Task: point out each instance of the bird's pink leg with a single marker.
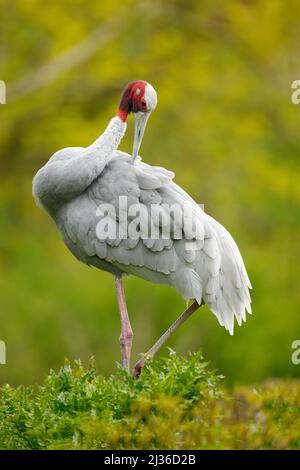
(126, 330)
(152, 351)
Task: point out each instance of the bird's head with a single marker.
(140, 98)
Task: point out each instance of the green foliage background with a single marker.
(225, 124)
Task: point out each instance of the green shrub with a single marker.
(177, 404)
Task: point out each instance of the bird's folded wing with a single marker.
(201, 262)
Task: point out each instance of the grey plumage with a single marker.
(75, 181)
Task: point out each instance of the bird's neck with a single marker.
(112, 136)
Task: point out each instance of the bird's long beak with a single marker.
(140, 125)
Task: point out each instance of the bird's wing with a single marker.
(201, 261)
(216, 261)
(152, 259)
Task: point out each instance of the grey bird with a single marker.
(81, 189)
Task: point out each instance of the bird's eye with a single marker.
(137, 91)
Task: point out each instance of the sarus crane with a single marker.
(82, 187)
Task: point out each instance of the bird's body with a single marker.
(206, 267)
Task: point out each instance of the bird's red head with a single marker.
(138, 96)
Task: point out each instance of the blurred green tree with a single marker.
(225, 124)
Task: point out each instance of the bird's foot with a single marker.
(138, 367)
